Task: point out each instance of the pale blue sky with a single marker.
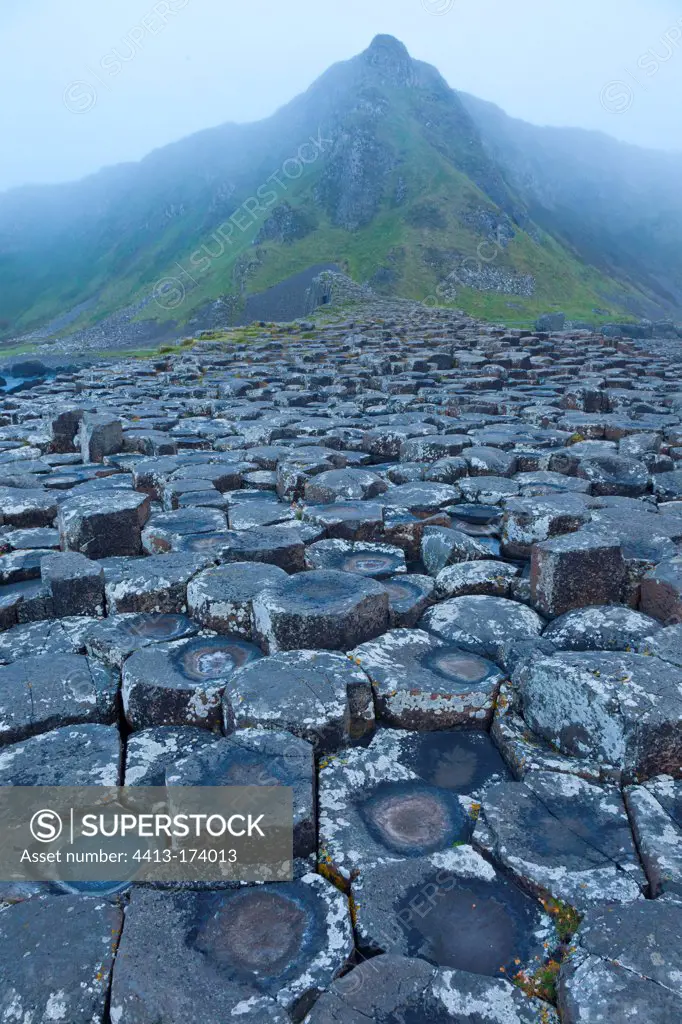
(71, 106)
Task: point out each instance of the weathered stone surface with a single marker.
(222, 598)
(100, 435)
(661, 592)
(257, 757)
(75, 755)
(574, 571)
(76, 584)
(374, 812)
(421, 682)
(528, 521)
(364, 558)
(421, 498)
(564, 837)
(116, 637)
(600, 629)
(64, 425)
(465, 761)
(155, 585)
(655, 809)
(151, 751)
(615, 474)
(320, 696)
(454, 910)
(626, 966)
(347, 520)
(48, 691)
(343, 484)
(261, 948)
(487, 576)
(328, 610)
(49, 637)
(50, 971)
(166, 531)
(665, 644)
(103, 525)
(408, 598)
(396, 988)
(27, 507)
(370, 483)
(272, 544)
(182, 683)
(622, 709)
(482, 624)
(526, 752)
(442, 547)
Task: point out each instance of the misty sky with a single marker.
(87, 83)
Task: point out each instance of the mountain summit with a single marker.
(391, 59)
(379, 169)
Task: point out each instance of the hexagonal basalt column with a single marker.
(320, 610)
(100, 434)
(488, 577)
(338, 484)
(655, 810)
(482, 624)
(465, 761)
(454, 910)
(574, 571)
(605, 628)
(105, 524)
(622, 710)
(48, 691)
(75, 755)
(151, 751)
(71, 982)
(421, 682)
(275, 545)
(157, 584)
(625, 966)
(318, 695)
(222, 598)
(347, 520)
(115, 638)
(166, 531)
(564, 836)
(182, 683)
(408, 598)
(366, 559)
(258, 757)
(242, 955)
(374, 810)
(76, 584)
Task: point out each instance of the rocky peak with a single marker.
(390, 58)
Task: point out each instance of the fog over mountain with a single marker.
(88, 86)
(379, 169)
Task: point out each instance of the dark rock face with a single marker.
(625, 964)
(625, 709)
(399, 990)
(480, 921)
(563, 835)
(258, 952)
(420, 570)
(72, 982)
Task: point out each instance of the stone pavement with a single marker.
(428, 572)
